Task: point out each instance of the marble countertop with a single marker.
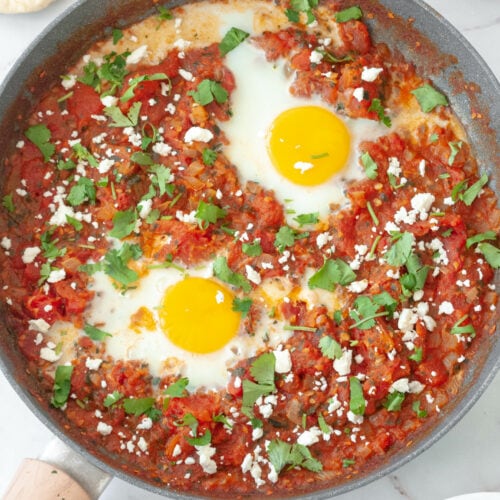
(466, 460)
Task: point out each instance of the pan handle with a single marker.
(59, 472)
(37, 479)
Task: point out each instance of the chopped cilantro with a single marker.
(162, 179)
(262, 368)
(138, 406)
(242, 306)
(454, 150)
(285, 237)
(8, 203)
(349, 14)
(222, 419)
(298, 6)
(49, 248)
(112, 399)
(225, 274)
(428, 98)
(209, 156)
(330, 347)
(394, 401)
(416, 408)
(374, 217)
(119, 119)
(252, 249)
(208, 213)
(134, 83)
(334, 272)
(417, 355)
(303, 219)
(66, 165)
(177, 389)
(62, 385)
(232, 39)
(470, 194)
(40, 136)
(433, 138)
(491, 254)
(366, 309)
(117, 35)
(477, 238)
(74, 222)
(400, 251)
(208, 90)
(376, 106)
(369, 165)
(95, 333)
(83, 191)
(323, 426)
(141, 158)
(347, 462)
(357, 400)
(281, 454)
(124, 223)
(200, 440)
(460, 329)
(337, 317)
(116, 260)
(164, 14)
(82, 153)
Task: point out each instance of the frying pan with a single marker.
(452, 67)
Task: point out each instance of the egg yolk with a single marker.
(196, 315)
(308, 144)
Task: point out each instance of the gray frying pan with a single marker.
(432, 44)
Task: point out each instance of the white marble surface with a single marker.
(466, 460)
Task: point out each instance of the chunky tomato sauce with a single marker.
(411, 260)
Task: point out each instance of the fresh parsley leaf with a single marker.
(188, 420)
(416, 408)
(209, 213)
(303, 219)
(177, 389)
(209, 156)
(323, 426)
(83, 191)
(82, 153)
(62, 385)
(281, 454)
(8, 203)
(135, 82)
(119, 119)
(112, 71)
(225, 274)
(40, 136)
(366, 309)
(330, 348)
(347, 462)
(417, 355)
(252, 249)
(334, 272)
(74, 222)
(491, 254)
(117, 35)
(357, 400)
(222, 419)
(162, 179)
(457, 190)
(138, 406)
(262, 369)
(95, 333)
(112, 399)
(208, 90)
(45, 271)
(141, 158)
(477, 238)
(349, 14)
(253, 391)
(292, 15)
(201, 440)
(472, 193)
(124, 223)
(242, 306)
(459, 329)
(428, 98)
(285, 237)
(66, 165)
(49, 248)
(394, 401)
(232, 39)
(370, 166)
(376, 106)
(164, 14)
(337, 317)
(454, 150)
(298, 6)
(400, 251)
(116, 260)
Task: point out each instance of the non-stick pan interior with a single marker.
(416, 30)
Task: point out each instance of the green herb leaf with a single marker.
(124, 223)
(370, 166)
(112, 399)
(330, 348)
(285, 237)
(74, 222)
(242, 306)
(394, 401)
(209, 213)
(298, 6)
(62, 385)
(119, 119)
(348, 14)
(417, 355)
(357, 400)
(40, 136)
(262, 369)
(162, 179)
(252, 249)
(400, 252)
(459, 329)
(201, 440)
(472, 193)
(135, 82)
(66, 165)
(334, 272)
(8, 203)
(303, 219)
(83, 191)
(232, 39)
(208, 90)
(454, 150)
(49, 248)
(115, 263)
(117, 35)
(222, 419)
(141, 158)
(347, 462)
(458, 189)
(491, 254)
(225, 274)
(82, 153)
(209, 156)
(428, 98)
(323, 426)
(95, 333)
(177, 389)
(377, 107)
(477, 238)
(164, 14)
(281, 454)
(416, 408)
(138, 406)
(253, 391)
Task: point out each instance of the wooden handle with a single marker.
(40, 480)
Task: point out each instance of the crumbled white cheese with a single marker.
(109, 100)
(56, 275)
(283, 361)
(309, 436)
(145, 207)
(105, 165)
(198, 134)
(316, 57)
(446, 307)
(142, 444)
(68, 82)
(104, 429)
(6, 243)
(252, 274)
(145, 424)
(205, 454)
(359, 94)
(370, 74)
(342, 365)
(30, 254)
(49, 354)
(93, 364)
(186, 75)
(162, 149)
(38, 325)
(358, 286)
(137, 55)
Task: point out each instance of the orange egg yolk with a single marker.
(308, 144)
(196, 315)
